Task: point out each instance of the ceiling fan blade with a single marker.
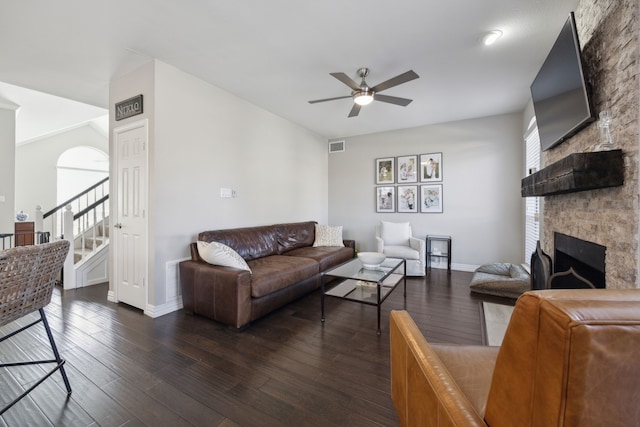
(346, 80)
(328, 99)
(393, 100)
(395, 81)
(355, 110)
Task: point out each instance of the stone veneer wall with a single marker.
(609, 35)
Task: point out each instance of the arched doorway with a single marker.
(79, 168)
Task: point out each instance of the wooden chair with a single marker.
(27, 277)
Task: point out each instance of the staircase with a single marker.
(84, 221)
(86, 244)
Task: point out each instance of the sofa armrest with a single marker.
(423, 391)
(349, 243)
(379, 244)
(418, 245)
(219, 293)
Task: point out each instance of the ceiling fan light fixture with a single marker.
(363, 98)
(491, 37)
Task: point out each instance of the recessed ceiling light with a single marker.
(491, 37)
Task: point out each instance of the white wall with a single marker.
(140, 81)
(36, 166)
(7, 166)
(203, 139)
(482, 169)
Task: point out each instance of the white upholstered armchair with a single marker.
(394, 239)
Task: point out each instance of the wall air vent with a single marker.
(336, 146)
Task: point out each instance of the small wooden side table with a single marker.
(24, 233)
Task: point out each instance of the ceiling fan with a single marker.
(362, 94)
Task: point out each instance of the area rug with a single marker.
(496, 319)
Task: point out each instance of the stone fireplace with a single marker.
(607, 217)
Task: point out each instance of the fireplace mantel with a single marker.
(576, 172)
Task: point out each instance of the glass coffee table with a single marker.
(364, 285)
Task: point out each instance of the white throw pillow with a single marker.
(217, 253)
(395, 233)
(328, 236)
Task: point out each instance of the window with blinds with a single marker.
(532, 210)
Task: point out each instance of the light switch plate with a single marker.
(1, 199)
(226, 193)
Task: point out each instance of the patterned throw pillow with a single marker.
(218, 254)
(328, 236)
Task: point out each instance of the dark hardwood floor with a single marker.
(287, 369)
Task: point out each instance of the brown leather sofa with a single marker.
(568, 358)
(284, 266)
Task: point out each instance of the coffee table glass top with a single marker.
(361, 284)
(354, 269)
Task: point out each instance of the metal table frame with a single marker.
(386, 278)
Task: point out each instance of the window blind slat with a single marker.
(532, 206)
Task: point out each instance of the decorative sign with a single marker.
(129, 107)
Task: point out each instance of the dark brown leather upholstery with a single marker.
(568, 358)
(284, 266)
(295, 235)
(250, 242)
(276, 272)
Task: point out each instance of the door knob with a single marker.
(118, 225)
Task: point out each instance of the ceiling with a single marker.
(40, 114)
(278, 54)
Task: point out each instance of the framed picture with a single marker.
(385, 199)
(431, 198)
(407, 198)
(431, 167)
(407, 169)
(385, 171)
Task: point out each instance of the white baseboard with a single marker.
(454, 266)
(166, 308)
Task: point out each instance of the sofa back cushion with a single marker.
(395, 233)
(250, 242)
(295, 235)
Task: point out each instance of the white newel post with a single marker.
(69, 272)
(39, 220)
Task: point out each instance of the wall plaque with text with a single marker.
(129, 107)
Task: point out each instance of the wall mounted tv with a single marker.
(560, 94)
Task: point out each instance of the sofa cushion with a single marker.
(395, 233)
(401, 251)
(326, 256)
(328, 236)
(471, 367)
(217, 253)
(276, 272)
(250, 242)
(295, 235)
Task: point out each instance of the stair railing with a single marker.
(90, 225)
(52, 221)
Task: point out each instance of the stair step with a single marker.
(88, 242)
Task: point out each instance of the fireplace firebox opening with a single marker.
(586, 258)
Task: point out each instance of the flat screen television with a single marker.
(560, 93)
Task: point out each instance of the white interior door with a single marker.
(130, 226)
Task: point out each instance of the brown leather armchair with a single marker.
(568, 358)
